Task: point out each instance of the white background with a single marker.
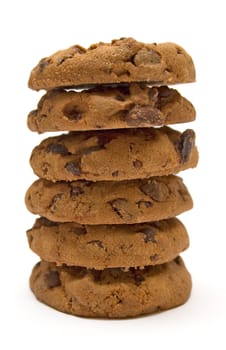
(31, 30)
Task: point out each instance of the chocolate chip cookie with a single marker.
(122, 154)
(111, 293)
(107, 246)
(124, 106)
(121, 61)
(109, 202)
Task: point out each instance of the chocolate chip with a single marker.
(43, 64)
(149, 234)
(156, 190)
(72, 112)
(75, 192)
(146, 57)
(137, 164)
(139, 115)
(118, 205)
(138, 277)
(169, 69)
(184, 194)
(79, 230)
(131, 146)
(44, 222)
(43, 116)
(115, 173)
(145, 204)
(55, 199)
(179, 51)
(185, 145)
(63, 59)
(57, 148)
(165, 96)
(92, 47)
(154, 257)
(52, 279)
(74, 168)
(96, 242)
(121, 71)
(178, 260)
(60, 61)
(164, 91)
(153, 94)
(45, 168)
(79, 49)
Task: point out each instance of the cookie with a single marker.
(109, 202)
(111, 293)
(126, 106)
(105, 246)
(114, 154)
(121, 61)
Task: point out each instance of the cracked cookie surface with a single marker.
(126, 106)
(123, 60)
(109, 202)
(111, 293)
(107, 246)
(122, 154)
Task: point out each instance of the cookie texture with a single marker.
(124, 106)
(105, 246)
(123, 60)
(115, 154)
(109, 202)
(111, 293)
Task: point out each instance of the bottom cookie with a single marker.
(111, 293)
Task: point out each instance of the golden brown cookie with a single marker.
(111, 293)
(104, 246)
(126, 106)
(109, 202)
(114, 154)
(121, 61)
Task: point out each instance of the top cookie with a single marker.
(121, 61)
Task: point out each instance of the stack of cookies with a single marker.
(107, 195)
